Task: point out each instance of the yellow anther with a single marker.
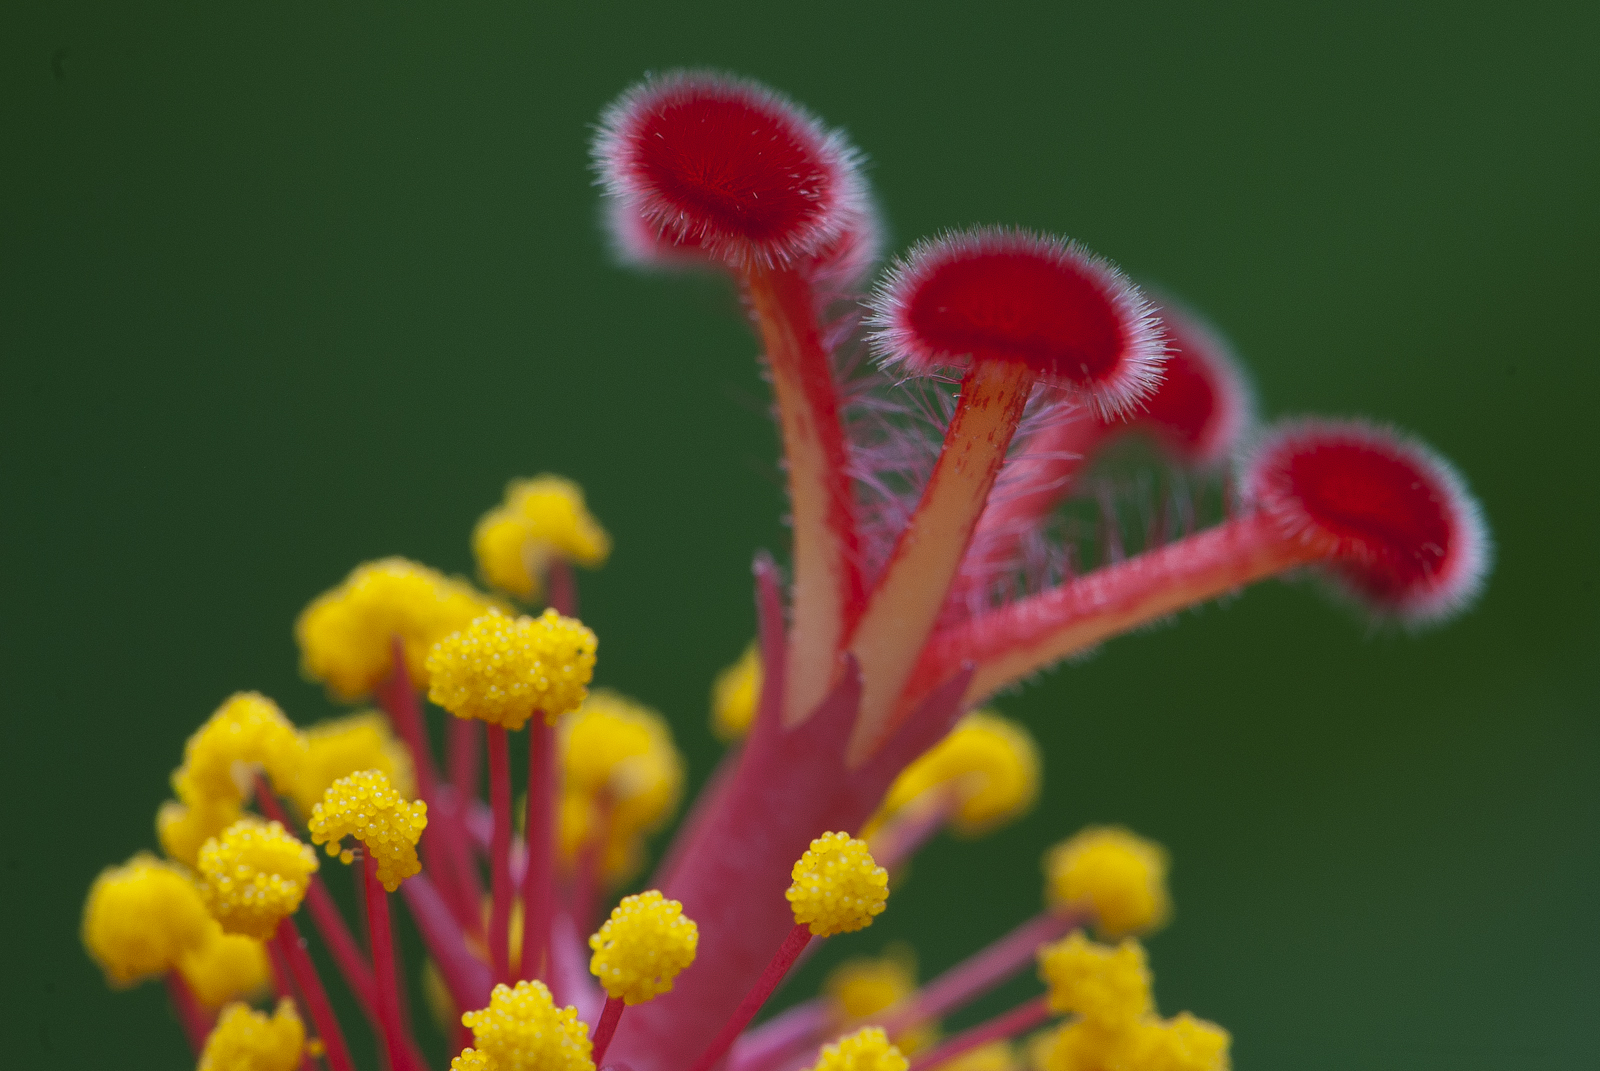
(1082, 1045)
(735, 695)
(226, 967)
(343, 746)
(989, 764)
(541, 519)
(141, 917)
(365, 806)
(182, 828)
(1109, 986)
(621, 777)
(861, 988)
(641, 948)
(501, 669)
(523, 1030)
(1182, 1043)
(248, 732)
(246, 1040)
(868, 1049)
(995, 1056)
(1122, 876)
(471, 1060)
(838, 887)
(254, 875)
(347, 635)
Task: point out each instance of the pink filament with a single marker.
(538, 877)
(315, 998)
(1012, 1023)
(194, 1020)
(500, 854)
(382, 941)
(788, 952)
(607, 1027)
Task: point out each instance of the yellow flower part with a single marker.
(246, 733)
(995, 1056)
(246, 1040)
(1122, 876)
(990, 764)
(140, 918)
(620, 773)
(365, 806)
(541, 519)
(501, 669)
(1110, 986)
(838, 887)
(1182, 1043)
(182, 828)
(471, 1060)
(1082, 1045)
(523, 1029)
(255, 874)
(735, 695)
(868, 1049)
(641, 948)
(346, 635)
(861, 988)
(343, 746)
(226, 967)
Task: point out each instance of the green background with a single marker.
(288, 289)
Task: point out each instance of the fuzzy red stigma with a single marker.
(729, 166)
(1398, 525)
(1001, 295)
(1203, 405)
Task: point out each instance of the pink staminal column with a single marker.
(1387, 519)
(500, 886)
(720, 171)
(538, 876)
(1011, 309)
(1017, 1021)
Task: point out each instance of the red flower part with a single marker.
(993, 294)
(728, 166)
(1396, 524)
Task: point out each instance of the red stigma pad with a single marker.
(1203, 404)
(993, 295)
(1404, 534)
(730, 167)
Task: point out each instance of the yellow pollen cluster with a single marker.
(541, 519)
(1122, 876)
(255, 874)
(220, 759)
(182, 828)
(621, 776)
(141, 918)
(838, 887)
(365, 806)
(1182, 1043)
(343, 746)
(1083, 1046)
(523, 1030)
(1109, 986)
(226, 967)
(861, 988)
(346, 635)
(868, 1049)
(246, 1040)
(989, 764)
(995, 1056)
(641, 948)
(735, 694)
(471, 1060)
(501, 669)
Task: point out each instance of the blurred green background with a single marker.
(291, 286)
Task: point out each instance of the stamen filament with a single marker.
(398, 697)
(500, 889)
(901, 610)
(191, 1016)
(788, 952)
(1016, 1021)
(610, 1016)
(468, 980)
(562, 585)
(904, 834)
(292, 948)
(390, 1021)
(538, 877)
(587, 877)
(828, 587)
(1008, 644)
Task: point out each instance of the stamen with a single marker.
(638, 952)
(1016, 1021)
(244, 1038)
(522, 1028)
